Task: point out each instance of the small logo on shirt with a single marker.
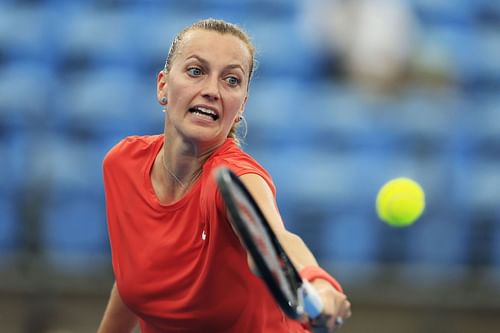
(203, 235)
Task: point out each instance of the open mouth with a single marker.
(204, 112)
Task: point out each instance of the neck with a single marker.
(172, 179)
(170, 173)
(179, 170)
(178, 166)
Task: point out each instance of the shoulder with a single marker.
(131, 147)
(230, 155)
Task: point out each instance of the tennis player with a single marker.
(178, 265)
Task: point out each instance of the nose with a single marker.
(211, 88)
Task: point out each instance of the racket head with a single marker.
(272, 262)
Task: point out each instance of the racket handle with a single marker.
(313, 305)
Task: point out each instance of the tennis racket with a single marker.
(295, 296)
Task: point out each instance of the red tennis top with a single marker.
(180, 267)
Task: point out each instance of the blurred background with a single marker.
(347, 95)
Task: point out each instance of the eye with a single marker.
(194, 71)
(233, 81)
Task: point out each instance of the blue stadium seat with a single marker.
(496, 242)
(153, 34)
(447, 49)
(248, 10)
(477, 152)
(303, 174)
(325, 196)
(9, 224)
(64, 164)
(482, 235)
(479, 183)
(74, 233)
(88, 68)
(349, 237)
(416, 120)
(277, 112)
(25, 33)
(12, 183)
(444, 12)
(487, 11)
(479, 135)
(345, 118)
(423, 119)
(281, 48)
(474, 70)
(109, 100)
(481, 70)
(93, 37)
(154, 31)
(433, 173)
(13, 164)
(488, 53)
(26, 93)
(73, 225)
(438, 239)
(5, 170)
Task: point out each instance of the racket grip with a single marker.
(313, 305)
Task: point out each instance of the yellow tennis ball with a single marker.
(400, 202)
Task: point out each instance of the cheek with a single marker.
(179, 94)
(235, 103)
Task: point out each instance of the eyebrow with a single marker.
(206, 64)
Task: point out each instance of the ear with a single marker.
(239, 114)
(161, 85)
(243, 105)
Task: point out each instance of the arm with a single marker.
(117, 317)
(335, 302)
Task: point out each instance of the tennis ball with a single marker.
(400, 202)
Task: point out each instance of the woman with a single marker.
(179, 266)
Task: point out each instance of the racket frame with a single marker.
(293, 308)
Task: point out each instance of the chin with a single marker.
(205, 136)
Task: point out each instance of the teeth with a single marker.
(205, 110)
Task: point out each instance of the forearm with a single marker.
(293, 245)
(305, 262)
(335, 302)
(297, 250)
(117, 317)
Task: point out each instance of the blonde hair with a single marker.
(221, 27)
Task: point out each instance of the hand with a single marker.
(337, 307)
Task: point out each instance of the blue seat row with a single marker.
(9, 225)
(82, 75)
(328, 200)
(91, 101)
(81, 36)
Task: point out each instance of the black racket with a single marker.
(295, 296)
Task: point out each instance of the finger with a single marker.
(343, 315)
(337, 324)
(322, 320)
(331, 325)
(346, 310)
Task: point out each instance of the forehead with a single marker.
(212, 45)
